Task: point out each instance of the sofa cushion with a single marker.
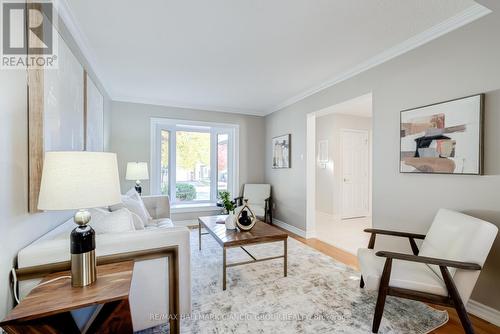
(111, 222)
(158, 206)
(133, 201)
(149, 286)
(404, 274)
(138, 223)
(159, 223)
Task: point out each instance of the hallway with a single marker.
(344, 234)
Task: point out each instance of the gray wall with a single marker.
(130, 137)
(329, 180)
(461, 63)
(18, 228)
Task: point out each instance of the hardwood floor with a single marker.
(453, 326)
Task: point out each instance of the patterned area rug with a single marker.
(320, 295)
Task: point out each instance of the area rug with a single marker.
(320, 295)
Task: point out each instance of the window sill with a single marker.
(195, 207)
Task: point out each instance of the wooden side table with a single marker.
(47, 308)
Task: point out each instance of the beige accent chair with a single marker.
(259, 200)
(444, 271)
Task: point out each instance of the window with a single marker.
(192, 161)
(222, 161)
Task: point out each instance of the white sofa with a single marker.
(149, 287)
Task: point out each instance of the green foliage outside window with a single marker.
(185, 192)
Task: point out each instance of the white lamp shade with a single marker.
(79, 180)
(137, 171)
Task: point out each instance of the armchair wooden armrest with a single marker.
(411, 237)
(452, 299)
(429, 260)
(268, 210)
(267, 204)
(395, 233)
(238, 201)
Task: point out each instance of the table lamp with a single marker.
(79, 181)
(137, 171)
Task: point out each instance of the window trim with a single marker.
(158, 124)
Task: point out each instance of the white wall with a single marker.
(130, 137)
(329, 179)
(18, 228)
(463, 62)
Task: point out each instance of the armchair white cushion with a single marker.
(444, 270)
(459, 237)
(452, 236)
(408, 275)
(256, 194)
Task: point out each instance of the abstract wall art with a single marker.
(443, 138)
(281, 151)
(65, 113)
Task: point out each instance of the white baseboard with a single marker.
(290, 228)
(473, 307)
(310, 234)
(484, 312)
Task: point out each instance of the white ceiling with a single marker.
(249, 56)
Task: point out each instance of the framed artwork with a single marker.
(281, 151)
(94, 116)
(55, 113)
(63, 109)
(443, 138)
(65, 113)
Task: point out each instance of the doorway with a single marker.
(339, 173)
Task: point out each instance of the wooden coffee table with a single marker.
(259, 234)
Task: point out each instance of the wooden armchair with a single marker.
(259, 199)
(444, 271)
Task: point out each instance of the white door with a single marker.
(355, 174)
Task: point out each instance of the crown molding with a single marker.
(467, 16)
(175, 104)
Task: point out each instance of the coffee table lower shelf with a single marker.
(260, 233)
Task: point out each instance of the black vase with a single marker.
(244, 219)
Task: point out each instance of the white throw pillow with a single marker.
(138, 223)
(133, 201)
(111, 222)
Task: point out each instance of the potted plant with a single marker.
(229, 207)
